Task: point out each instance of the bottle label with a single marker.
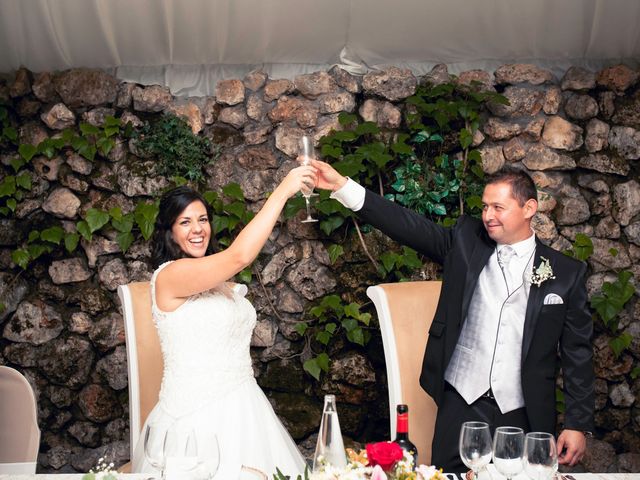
(402, 425)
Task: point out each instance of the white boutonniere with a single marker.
(542, 272)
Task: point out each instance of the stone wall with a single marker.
(579, 136)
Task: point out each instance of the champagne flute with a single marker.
(508, 449)
(475, 445)
(208, 454)
(154, 440)
(307, 154)
(180, 450)
(540, 455)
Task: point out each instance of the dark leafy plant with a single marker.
(180, 152)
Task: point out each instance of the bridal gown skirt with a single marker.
(248, 430)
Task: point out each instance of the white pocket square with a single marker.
(553, 299)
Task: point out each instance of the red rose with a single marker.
(385, 454)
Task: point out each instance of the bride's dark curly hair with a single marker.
(172, 204)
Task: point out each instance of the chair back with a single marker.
(144, 357)
(19, 432)
(405, 312)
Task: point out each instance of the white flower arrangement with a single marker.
(542, 272)
(103, 471)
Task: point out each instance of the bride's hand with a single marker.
(298, 178)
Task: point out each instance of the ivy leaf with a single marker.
(210, 196)
(620, 344)
(345, 118)
(111, 131)
(245, 275)
(311, 366)
(236, 208)
(300, 328)
(96, 219)
(474, 201)
(352, 310)
(21, 258)
(323, 337)
(233, 191)
(123, 224)
(331, 223)
(115, 213)
(17, 163)
(52, 235)
(71, 241)
(27, 151)
(24, 180)
(335, 251)
(388, 260)
(37, 249)
(88, 151)
(111, 121)
(367, 128)
(349, 324)
(84, 230)
(88, 129)
(105, 145)
(365, 318)
(331, 301)
(219, 223)
(12, 204)
(8, 186)
(402, 148)
(329, 151)
(583, 247)
(47, 147)
(635, 372)
(560, 401)
(124, 240)
(356, 336)
(317, 311)
(145, 215)
(11, 133)
(330, 327)
(323, 361)
(465, 138)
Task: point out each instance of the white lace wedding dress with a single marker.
(208, 385)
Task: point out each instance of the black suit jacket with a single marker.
(463, 250)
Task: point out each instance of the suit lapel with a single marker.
(536, 297)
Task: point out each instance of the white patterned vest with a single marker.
(489, 349)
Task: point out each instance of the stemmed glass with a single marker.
(307, 153)
(475, 445)
(154, 440)
(180, 450)
(508, 449)
(208, 455)
(540, 455)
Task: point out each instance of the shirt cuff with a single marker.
(351, 195)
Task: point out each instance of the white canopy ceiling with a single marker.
(190, 44)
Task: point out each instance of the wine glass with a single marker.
(180, 450)
(475, 445)
(540, 455)
(154, 440)
(508, 449)
(208, 454)
(307, 153)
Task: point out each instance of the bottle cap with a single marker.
(402, 408)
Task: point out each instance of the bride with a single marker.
(205, 326)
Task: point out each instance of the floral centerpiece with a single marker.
(380, 461)
(103, 471)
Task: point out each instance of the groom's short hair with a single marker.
(522, 186)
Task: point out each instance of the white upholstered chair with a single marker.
(144, 359)
(405, 312)
(19, 432)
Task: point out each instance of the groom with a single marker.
(502, 317)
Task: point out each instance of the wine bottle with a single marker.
(402, 433)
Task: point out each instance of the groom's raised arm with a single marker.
(401, 224)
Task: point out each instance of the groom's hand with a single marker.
(328, 177)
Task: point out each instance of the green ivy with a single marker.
(330, 318)
(179, 151)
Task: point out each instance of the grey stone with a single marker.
(22, 354)
(392, 83)
(621, 395)
(27, 207)
(288, 300)
(69, 271)
(67, 361)
(257, 158)
(344, 79)
(311, 279)
(32, 134)
(124, 95)
(288, 139)
(78, 163)
(34, 323)
(113, 368)
(604, 164)
(337, 102)
(629, 462)
(254, 184)
(546, 202)
(71, 181)
(230, 92)
(98, 116)
(255, 134)
(274, 270)
(190, 112)
(492, 158)
(478, 79)
(153, 98)
(255, 80)
(83, 87)
(523, 102)
(581, 107)
(627, 111)
(606, 102)
(572, 207)
(235, 116)
(599, 456)
(607, 228)
(313, 85)
(305, 112)
(539, 157)
(284, 375)
(617, 78)
(353, 368)
(274, 89)
(533, 130)
(86, 433)
(626, 202)
(264, 334)
(62, 203)
(9, 234)
(59, 117)
(632, 232)
(544, 227)
(256, 107)
(438, 75)
(603, 259)
(99, 404)
(552, 100)
(44, 89)
(113, 273)
(12, 291)
(514, 150)
(385, 114)
(80, 322)
(522, 73)
(561, 134)
(596, 136)
(135, 180)
(115, 452)
(626, 141)
(497, 129)
(577, 78)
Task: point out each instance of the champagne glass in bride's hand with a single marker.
(508, 449)
(307, 154)
(475, 445)
(540, 455)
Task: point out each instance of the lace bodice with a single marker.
(205, 347)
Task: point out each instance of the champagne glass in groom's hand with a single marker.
(307, 154)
